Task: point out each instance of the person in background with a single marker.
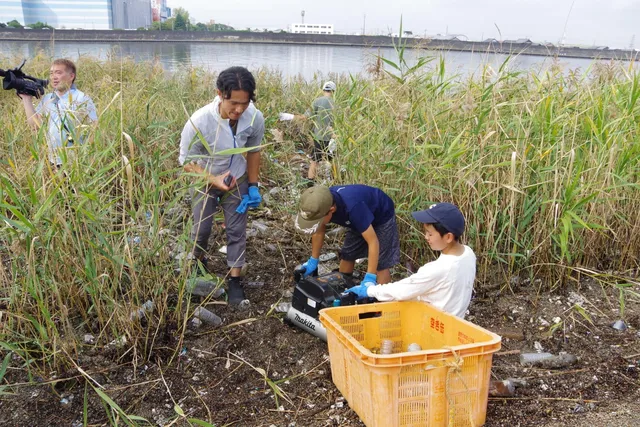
(322, 114)
(66, 111)
(230, 121)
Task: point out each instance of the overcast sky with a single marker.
(610, 23)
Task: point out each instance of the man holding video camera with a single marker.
(66, 110)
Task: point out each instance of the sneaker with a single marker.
(235, 291)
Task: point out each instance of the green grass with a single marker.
(544, 166)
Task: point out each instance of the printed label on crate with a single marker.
(465, 339)
(311, 302)
(437, 325)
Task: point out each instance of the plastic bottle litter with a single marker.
(207, 317)
(559, 361)
(386, 347)
(414, 347)
(284, 117)
(518, 382)
(260, 226)
(619, 325)
(146, 308)
(203, 287)
(325, 169)
(332, 145)
(335, 231)
(531, 358)
(253, 285)
(118, 342)
(548, 360)
(184, 255)
(327, 257)
(504, 388)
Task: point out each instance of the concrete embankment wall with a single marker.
(115, 36)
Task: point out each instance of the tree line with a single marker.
(37, 26)
(181, 21)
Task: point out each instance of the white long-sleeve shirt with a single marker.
(446, 283)
(207, 126)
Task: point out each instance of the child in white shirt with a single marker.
(446, 283)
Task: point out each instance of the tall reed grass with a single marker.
(544, 166)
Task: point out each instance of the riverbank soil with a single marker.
(257, 371)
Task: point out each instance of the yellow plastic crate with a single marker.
(445, 384)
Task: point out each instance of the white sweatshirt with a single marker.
(445, 283)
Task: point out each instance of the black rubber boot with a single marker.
(236, 291)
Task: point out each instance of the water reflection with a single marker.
(290, 60)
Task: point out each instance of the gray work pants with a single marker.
(204, 207)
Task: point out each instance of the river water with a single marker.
(308, 61)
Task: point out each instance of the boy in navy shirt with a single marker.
(369, 215)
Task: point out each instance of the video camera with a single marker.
(22, 83)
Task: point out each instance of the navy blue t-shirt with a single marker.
(359, 206)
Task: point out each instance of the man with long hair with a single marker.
(230, 121)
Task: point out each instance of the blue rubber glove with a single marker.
(254, 197)
(361, 290)
(310, 266)
(369, 278)
(244, 204)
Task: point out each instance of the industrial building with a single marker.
(311, 28)
(85, 14)
(131, 14)
(89, 14)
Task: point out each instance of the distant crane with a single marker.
(302, 15)
(633, 42)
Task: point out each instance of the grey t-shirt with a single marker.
(322, 114)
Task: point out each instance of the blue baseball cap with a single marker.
(446, 214)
